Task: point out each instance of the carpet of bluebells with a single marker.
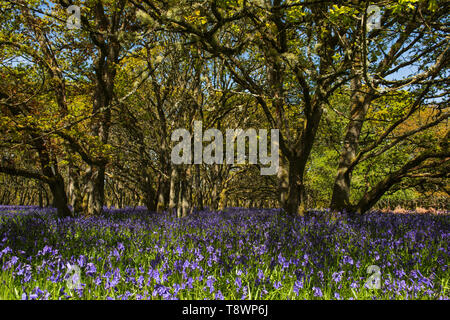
(236, 254)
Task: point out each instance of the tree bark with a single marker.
(295, 199)
(359, 106)
(173, 196)
(59, 197)
(74, 191)
(198, 195)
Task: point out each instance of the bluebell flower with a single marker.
(219, 295)
(297, 286)
(317, 292)
(347, 260)
(81, 261)
(90, 269)
(337, 276)
(238, 282)
(277, 285)
(210, 283)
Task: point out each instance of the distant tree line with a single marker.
(86, 115)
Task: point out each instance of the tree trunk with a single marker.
(359, 105)
(180, 198)
(213, 198)
(74, 191)
(149, 201)
(283, 182)
(173, 195)
(183, 199)
(59, 197)
(223, 198)
(149, 194)
(198, 195)
(295, 201)
(94, 192)
(162, 195)
(41, 200)
(56, 182)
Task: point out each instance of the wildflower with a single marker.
(90, 269)
(140, 281)
(348, 260)
(238, 282)
(337, 276)
(277, 285)
(81, 261)
(297, 286)
(219, 295)
(210, 283)
(317, 292)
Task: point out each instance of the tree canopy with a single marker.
(87, 112)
